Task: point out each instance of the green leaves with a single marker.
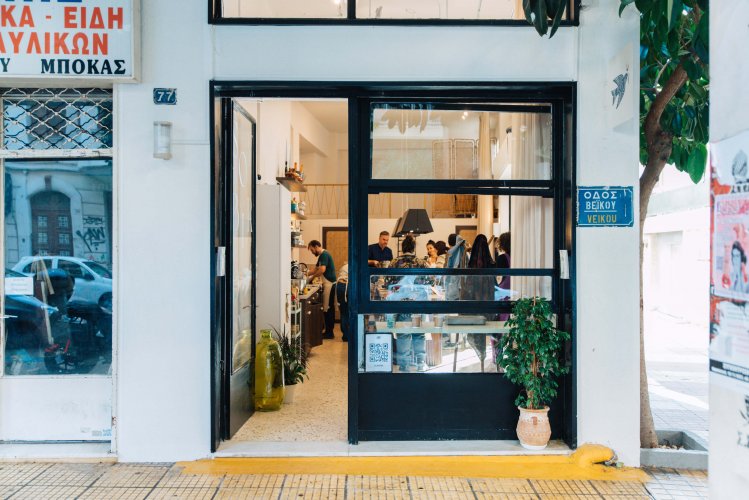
(294, 357)
(530, 353)
(539, 12)
(675, 33)
(624, 6)
(696, 163)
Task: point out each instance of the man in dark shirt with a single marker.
(325, 269)
(379, 252)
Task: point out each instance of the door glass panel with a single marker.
(291, 9)
(242, 279)
(528, 219)
(429, 343)
(426, 141)
(439, 9)
(58, 310)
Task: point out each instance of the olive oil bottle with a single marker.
(269, 383)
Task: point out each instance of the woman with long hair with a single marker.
(479, 288)
(434, 258)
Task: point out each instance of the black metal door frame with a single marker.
(562, 95)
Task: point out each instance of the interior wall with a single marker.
(729, 462)
(163, 311)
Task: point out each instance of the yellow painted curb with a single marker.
(583, 464)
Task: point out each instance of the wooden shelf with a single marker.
(298, 246)
(296, 216)
(292, 185)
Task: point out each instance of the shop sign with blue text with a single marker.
(91, 39)
(605, 206)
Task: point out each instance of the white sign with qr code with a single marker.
(379, 352)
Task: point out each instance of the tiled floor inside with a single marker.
(140, 481)
(319, 411)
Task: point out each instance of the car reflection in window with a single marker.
(66, 325)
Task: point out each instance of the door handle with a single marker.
(220, 261)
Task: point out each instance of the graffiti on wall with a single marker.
(94, 236)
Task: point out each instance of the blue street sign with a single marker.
(605, 206)
(165, 96)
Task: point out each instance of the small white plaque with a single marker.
(378, 352)
(564, 265)
(19, 286)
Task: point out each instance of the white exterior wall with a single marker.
(162, 385)
(729, 105)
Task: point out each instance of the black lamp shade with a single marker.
(413, 221)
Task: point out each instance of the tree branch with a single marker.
(653, 120)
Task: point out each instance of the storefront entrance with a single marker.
(435, 150)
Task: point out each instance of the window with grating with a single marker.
(56, 119)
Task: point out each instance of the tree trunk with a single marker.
(659, 144)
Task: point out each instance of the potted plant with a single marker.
(530, 354)
(294, 362)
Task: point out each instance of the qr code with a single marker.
(379, 353)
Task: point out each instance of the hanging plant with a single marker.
(545, 14)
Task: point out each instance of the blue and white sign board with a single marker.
(162, 96)
(605, 206)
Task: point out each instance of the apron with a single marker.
(327, 287)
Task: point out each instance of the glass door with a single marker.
(233, 280)
(241, 272)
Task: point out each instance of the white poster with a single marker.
(68, 38)
(378, 352)
(19, 286)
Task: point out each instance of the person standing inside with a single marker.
(479, 288)
(380, 252)
(503, 262)
(341, 293)
(410, 347)
(325, 270)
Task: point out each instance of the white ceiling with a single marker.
(333, 115)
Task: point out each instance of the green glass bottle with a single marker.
(269, 385)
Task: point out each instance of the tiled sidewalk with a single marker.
(677, 359)
(159, 481)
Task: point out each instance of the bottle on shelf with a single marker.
(293, 205)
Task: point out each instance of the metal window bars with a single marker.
(56, 123)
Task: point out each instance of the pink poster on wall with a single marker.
(729, 280)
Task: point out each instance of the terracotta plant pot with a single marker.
(533, 428)
(290, 394)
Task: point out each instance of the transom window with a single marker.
(378, 11)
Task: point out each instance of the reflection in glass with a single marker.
(439, 9)
(456, 287)
(429, 343)
(242, 168)
(58, 309)
(288, 9)
(424, 141)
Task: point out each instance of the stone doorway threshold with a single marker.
(231, 449)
